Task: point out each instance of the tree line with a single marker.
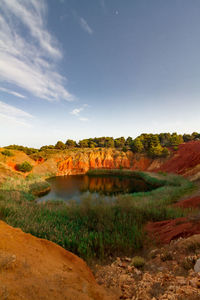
(154, 145)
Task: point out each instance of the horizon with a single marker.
(72, 70)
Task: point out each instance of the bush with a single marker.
(138, 262)
(7, 153)
(24, 167)
(39, 188)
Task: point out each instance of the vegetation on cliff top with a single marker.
(154, 145)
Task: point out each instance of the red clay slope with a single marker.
(165, 231)
(189, 202)
(186, 158)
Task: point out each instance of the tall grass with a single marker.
(95, 228)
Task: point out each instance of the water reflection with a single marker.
(74, 187)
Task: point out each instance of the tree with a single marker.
(83, 143)
(60, 145)
(109, 142)
(137, 145)
(129, 141)
(92, 144)
(71, 143)
(155, 151)
(120, 142)
(176, 139)
(165, 152)
(164, 139)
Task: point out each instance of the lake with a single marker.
(74, 187)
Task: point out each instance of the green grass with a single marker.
(95, 228)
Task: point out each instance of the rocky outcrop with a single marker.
(32, 269)
(170, 272)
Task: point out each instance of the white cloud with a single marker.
(14, 115)
(76, 112)
(12, 92)
(27, 50)
(85, 26)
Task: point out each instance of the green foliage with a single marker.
(138, 262)
(70, 143)
(83, 144)
(137, 146)
(24, 167)
(60, 145)
(119, 142)
(26, 150)
(129, 141)
(7, 153)
(39, 188)
(165, 152)
(47, 147)
(154, 145)
(175, 139)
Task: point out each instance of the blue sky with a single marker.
(78, 69)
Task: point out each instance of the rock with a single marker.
(32, 269)
(197, 266)
(127, 259)
(195, 282)
(181, 280)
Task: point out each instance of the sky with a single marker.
(74, 69)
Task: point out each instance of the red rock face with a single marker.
(107, 159)
(184, 160)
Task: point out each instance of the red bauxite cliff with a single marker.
(107, 159)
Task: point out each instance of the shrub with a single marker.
(188, 263)
(138, 262)
(7, 153)
(39, 188)
(24, 167)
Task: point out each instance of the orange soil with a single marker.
(165, 231)
(33, 269)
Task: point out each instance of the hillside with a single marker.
(184, 161)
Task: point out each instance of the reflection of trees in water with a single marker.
(109, 185)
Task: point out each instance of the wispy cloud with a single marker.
(85, 26)
(14, 114)
(84, 119)
(12, 92)
(28, 52)
(76, 112)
